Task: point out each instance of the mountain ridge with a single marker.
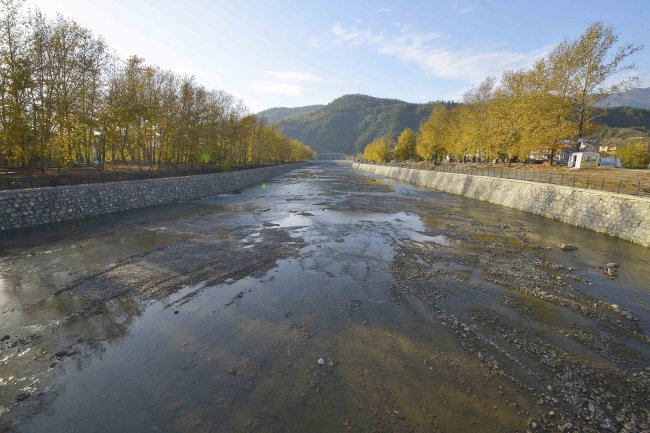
(350, 121)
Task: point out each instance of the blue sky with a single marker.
(292, 53)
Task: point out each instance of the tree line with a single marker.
(541, 110)
(66, 99)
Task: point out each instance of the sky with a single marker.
(290, 53)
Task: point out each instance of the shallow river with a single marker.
(427, 312)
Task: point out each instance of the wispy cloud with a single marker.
(465, 11)
(294, 76)
(384, 10)
(288, 83)
(436, 54)
(287, 89)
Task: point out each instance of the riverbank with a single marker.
(38, 206)
(431, 312)
(619, 215)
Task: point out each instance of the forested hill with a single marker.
(274, 115)
(350, 122)
(636, 98)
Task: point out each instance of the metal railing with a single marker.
(620, 185)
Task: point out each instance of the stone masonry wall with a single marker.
(31, 207)
(622, 216)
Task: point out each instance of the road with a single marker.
(327, 300)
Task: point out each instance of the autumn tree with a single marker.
(379, 150)
(405, 148)
(592, 61)
(635, 152)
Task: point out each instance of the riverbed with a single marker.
(326, 300)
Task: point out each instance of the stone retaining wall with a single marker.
(31, 207)
(623, 216)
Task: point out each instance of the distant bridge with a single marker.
(332, 156)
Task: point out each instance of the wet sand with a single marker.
(431, 313)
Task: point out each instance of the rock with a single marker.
(236, 191)
(612, 265)
(23, 396)
(611, 272)
(398, 414)
(591, 406)
(568, 247)
(6, 337)
(321, 362)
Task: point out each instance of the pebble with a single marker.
(398, 414)
(23, 396)
(321, 362)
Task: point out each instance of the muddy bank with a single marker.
(429, 312)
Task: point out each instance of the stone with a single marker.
(56, 204)
(568, 247)
(398, 414)
(321, 362)
(23, 396)
(612, 265)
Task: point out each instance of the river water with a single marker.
(430, 312)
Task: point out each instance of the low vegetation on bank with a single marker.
(544, 110)
(66, 100)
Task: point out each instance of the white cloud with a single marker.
(293, 76)
(384, 10)
(278, 87)
(286, 83)
(465, 11)
(436, 54)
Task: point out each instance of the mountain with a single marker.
(274, 115)
(636, 98)
(350, 122)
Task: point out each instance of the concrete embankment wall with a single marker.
(31, 207)
(623, 216)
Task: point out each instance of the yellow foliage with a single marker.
(379, 150)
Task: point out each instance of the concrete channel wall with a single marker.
(32, 207)
(622, 216)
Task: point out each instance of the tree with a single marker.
(405, 148)
(65, 100)
(433, 139)
(635, 152)
(379, 150)
(592, 61)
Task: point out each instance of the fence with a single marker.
(21, 179)
(617, 184)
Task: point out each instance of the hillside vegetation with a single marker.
(350, 122)
(635, 98)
